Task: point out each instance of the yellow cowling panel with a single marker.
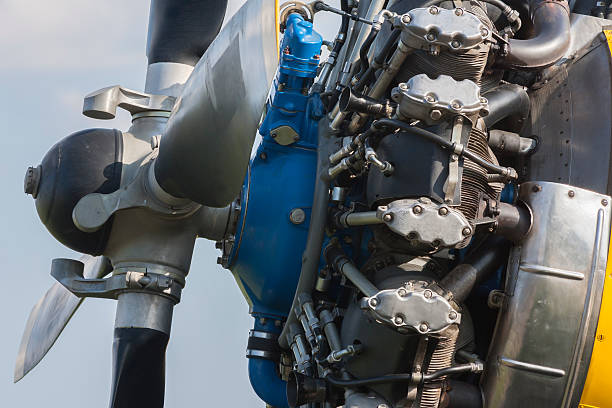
(597, 389)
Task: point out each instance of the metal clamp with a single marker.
(103, 103)
(69, 273)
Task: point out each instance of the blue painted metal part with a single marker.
(266, 257)
(263, 374)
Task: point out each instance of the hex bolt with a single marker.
(373, 302)
(433, 10)
(402, 292)
(484, 32)
(455, 44)
(571, 193)
(456, 105)
(458, 11)
(435, 114)
(443, 211)
(484, 100)
(430, 99)
(402, 86)
(466, 231)
(388, 217)
(452, 315)
(297, 216)
(427, 294)
(423, 327)
(417, 209)
(604, 202)
(430, 37)
(406, 19)
(398, 320)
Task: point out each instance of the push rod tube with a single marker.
(551, 24)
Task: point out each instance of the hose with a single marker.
(551, 23)
(459, 150)
(507, 100)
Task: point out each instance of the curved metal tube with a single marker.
(205, 149)
(266, 384)
(507, 100)
(551, 22)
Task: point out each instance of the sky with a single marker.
(53, 53)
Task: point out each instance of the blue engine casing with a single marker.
(267, 251)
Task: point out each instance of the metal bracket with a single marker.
(103, 103)
(94, 210)
(69, 273)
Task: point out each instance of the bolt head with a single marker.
(430, 99)
(403, 86)
(456, 105)
(604, 202)
(433, 10)
(435, 114)
(297, 216)
(398, 320)
(455, 44)
(402, 292)
(427, 294)
(373, 302)
(458, 11)
(388, 217)
(430, 37)
(423, 327)
(452, 315)
(571, 193)
(484, 32)
(537, 188)
(466, 231)
(406, 19)
(443, 211)
(484, 100)
(417, 209)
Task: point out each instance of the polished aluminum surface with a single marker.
(103, 103)
(541, 346)
(167, 78)
(413, 306)
(434, 27)
(426, 222)
(49, 317)
(434, 100)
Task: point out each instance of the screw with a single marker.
(435, 114)
(537, 188)
(427, 294)
(388, 217)
(297, 216)
(455, 44)
(417, 209)
(466, 231)
(430, 37)
(423, 327)
(443, 211)
(458, 11)
(571, 193)
(398, 320)
(452, 315)
(604, 202)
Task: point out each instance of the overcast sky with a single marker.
(52, 53)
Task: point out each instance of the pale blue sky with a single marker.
(52, 53)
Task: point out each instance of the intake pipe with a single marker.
(476, 267)
(551, 24)
(507, 101)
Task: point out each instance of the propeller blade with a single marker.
(207, 143)
(50, 315)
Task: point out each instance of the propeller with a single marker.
(203, 153)
(50, 315)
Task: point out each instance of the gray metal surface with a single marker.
(144, 310)
(206, 146)
(103, 103)
(167, 78)
(433, 28)
(570, 114)
(426, 222)
(541, 346)
(433, 100)
(413, 306)
(49, 317)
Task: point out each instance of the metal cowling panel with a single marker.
(543, 339)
